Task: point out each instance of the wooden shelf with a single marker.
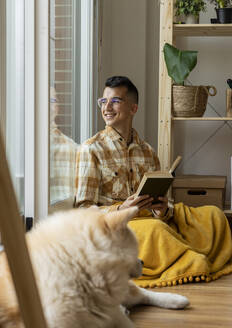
(202, 118)
(169, 32)
(202, 29)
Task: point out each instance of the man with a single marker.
(189, 244)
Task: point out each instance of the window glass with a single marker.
(64, 96)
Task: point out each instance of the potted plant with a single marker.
(223, 10)
(187, 100)
(189, 10)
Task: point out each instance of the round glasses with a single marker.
(114, 102)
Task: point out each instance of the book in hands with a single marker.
(155, 184)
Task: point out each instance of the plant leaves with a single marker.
(179, 62)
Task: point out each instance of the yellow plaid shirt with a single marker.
(108, 170)
(63, 156)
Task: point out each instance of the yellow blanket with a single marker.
(194, 245)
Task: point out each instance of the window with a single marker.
(64, 96)
(71, 90)
(41, 78)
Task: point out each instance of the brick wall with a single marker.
(61, 43)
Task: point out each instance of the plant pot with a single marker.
(189, 100)
(224, 15)
(191, 19)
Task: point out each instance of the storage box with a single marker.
(198, 190)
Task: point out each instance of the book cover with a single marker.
(155, 184)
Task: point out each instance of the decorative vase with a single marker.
(224, 15)
(190, 100)
(192, 19)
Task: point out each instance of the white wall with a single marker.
(105, 49)
(124, 47)
(152, 73)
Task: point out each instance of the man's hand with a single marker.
(145, 202)
(160, 208)
(142, 202)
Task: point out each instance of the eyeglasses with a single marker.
(114, 102)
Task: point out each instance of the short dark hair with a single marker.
(123, 81)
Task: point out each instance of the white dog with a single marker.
(83, 260)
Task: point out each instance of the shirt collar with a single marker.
(115, 136)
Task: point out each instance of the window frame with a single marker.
(89, 63)
(37, 94)
(29, 178)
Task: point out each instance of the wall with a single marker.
(152, 73)
(129, 45)
(124, 48)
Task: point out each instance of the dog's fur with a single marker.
(83, 260)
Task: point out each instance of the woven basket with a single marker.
(190, 101)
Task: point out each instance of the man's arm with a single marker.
(87, 179)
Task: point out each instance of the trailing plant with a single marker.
(179, 62)
(189, 7)
(221, 3)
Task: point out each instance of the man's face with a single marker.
(118, 108)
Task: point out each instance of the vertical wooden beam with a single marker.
(165, 87)
(13, 237)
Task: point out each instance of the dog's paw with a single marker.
(174, 301)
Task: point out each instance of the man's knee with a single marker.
(147, 224)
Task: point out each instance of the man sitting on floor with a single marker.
(180, 244)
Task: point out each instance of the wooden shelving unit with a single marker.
(168, 32)
(202, 29)
(202, 118)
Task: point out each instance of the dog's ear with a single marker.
(118, 219)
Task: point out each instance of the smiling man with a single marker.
(184, 245)
(112, 163)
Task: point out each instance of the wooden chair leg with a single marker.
(13, 237)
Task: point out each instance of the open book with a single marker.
(157, 183)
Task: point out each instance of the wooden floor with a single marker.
(211, 306)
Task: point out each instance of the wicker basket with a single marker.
(190, 101)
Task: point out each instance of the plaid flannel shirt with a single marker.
(108, 170)
(63, 156)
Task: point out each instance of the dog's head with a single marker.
(109, 242)
(103, 237)
(123, 239)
